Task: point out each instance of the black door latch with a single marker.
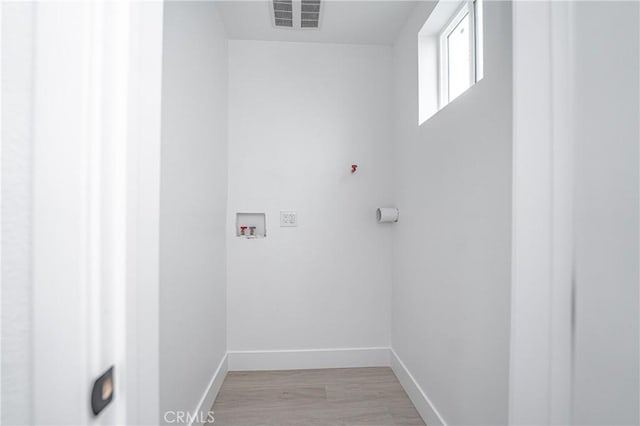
(102, 392)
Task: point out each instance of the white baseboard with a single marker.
(210, 393)
(308, 359)
(420, 400)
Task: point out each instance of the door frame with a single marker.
(543, 284)
(143, 213)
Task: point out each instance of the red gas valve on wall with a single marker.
(354, 167)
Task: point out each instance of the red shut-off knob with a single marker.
(354, 167)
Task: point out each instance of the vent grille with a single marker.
(283, 13)
(296, 13)
(310, 13)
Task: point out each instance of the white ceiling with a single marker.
(354, 22)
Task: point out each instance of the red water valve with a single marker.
(354, 167)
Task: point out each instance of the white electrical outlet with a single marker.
(288, 219)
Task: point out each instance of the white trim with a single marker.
(443, 57)
(308, 359)
(472, 42)
(210, 394)
(143, 174)
(531, 224)
(1, 206)
(468, 7)
(418, 396)
(562, 232)
(478, 34)
(542, 253)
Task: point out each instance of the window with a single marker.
(458, 53)
(450, 54)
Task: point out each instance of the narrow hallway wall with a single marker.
(451, 290)
(192, 203)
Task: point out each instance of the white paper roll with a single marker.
(387, 214)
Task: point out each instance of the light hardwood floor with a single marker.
(328, 397)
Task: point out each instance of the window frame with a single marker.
(467, 8)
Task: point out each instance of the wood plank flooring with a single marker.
(328, 397)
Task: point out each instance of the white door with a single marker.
(93, 212)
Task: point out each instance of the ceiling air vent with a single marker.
(283, 13)
(309, 13)
(296, 14)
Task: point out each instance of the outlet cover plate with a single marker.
(288, 218)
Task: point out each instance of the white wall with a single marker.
(606, 213)
(299, 116)
(192, 203)
(17, 199)
(452, 245)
